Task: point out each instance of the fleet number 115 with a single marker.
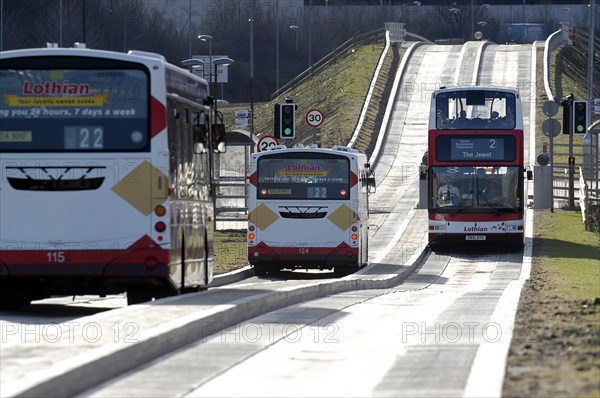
(56, 257)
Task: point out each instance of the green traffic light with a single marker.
(287, 131)
(580, 128)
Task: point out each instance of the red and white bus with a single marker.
(475, 170)
(105, 161)
(308, 207)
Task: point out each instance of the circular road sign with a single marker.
(266, 142)
(551, 127)
(478, 35)
(550, 108)
(314, 118)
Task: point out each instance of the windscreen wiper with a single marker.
(487, 202)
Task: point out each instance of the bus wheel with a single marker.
(142, 294)
(260, 270)
(9, 303)
(11, 299)
(341, 270)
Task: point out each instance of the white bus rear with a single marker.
(102, 191)
(308, 208)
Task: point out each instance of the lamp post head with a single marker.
(222, 61)
(205, 37)
(294, 27)
(192, 62)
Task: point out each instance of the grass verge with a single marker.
(556, 343)
(569, 254)
(230, 251)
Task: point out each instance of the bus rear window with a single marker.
(75, 110)
(303, 177)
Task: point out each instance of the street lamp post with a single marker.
(295, 28)
(209, 38)
(219, 61)
(455, 11)
(310, 21)
(1, 21)
(251, 20)
(568, 9)
(125, 36)
(412, 3)
(277, 44)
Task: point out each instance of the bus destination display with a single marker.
(475, 149)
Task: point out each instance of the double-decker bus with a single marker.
(106, 165)
(308, 208)
(475, 173)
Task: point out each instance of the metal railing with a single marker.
(374, 36)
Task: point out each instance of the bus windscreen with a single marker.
(303, 178)
(74, 110)
(475, 110)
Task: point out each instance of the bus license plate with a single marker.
(475, 237)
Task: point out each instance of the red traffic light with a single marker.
(571, 160)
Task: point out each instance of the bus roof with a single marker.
(476, 88)
(79, 50)
(343, 150)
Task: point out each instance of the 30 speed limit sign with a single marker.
(314, 118)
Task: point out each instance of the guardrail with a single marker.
(583, 199)
(370, 37)
(552, 42)
(367, 103)
(566, 35)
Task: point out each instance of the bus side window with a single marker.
(199, 135)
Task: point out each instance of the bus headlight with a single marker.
(438, 228)
(512, 228)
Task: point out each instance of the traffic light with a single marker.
(276, 122)
(218, 139)
(567, 105)
(287, 120)
(579, 117)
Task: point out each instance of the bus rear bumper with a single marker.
(461, 242)
(303, 257)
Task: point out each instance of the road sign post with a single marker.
(314, 118)
(551, 128)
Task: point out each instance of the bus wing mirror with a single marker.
(422, 172)
(529, 175)
(199, 139)
(218, 141)
(371, 183)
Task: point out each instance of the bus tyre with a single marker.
(342, 270)
(9, 303)
(260, 270)
(142, 294)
